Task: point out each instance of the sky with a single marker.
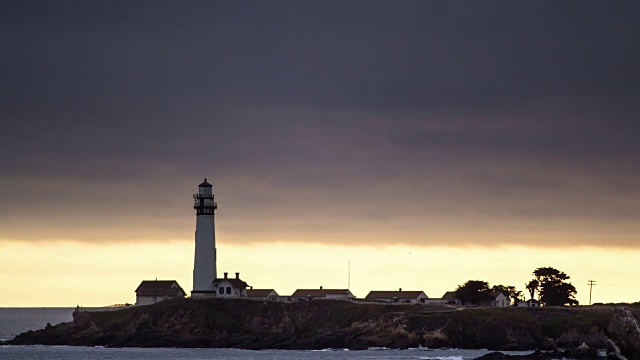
(426, 143)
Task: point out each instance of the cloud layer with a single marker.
(358, 122)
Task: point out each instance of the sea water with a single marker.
(84, 353)
(14, 321)
(17, 320)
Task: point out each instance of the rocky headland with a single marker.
(323, 324)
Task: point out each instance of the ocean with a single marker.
(14, 321)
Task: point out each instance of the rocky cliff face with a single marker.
(624, 328)
(336, 324)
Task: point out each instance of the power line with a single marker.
(590, 283)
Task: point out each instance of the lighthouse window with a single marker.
(229, 290)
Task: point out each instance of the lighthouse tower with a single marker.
(204, 264)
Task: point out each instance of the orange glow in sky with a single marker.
(71, 273)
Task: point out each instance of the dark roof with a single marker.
(236, 283)
(449, 295)
(205, 184)
(159, 288)
(263, 293)
(394, 294)
(321, 292)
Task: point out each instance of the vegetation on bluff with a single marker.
(550, 284)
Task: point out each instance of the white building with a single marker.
(227, 288)
(153, 291)
(399, 297)
(499, 300)
(204, 265)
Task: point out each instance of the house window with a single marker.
(221, 291)
(229, 290)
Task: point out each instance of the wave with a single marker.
(331, 349)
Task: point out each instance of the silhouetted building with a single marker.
(401, 297)
(230, 288)
(313, 294)
(262, 294)
(153, 291)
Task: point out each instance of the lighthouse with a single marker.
(204, 264)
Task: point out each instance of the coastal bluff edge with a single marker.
(320, 324)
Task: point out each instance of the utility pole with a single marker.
(590, 283)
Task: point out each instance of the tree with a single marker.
(509, 291)
(553, 288)
(473, 292)
(532, 286)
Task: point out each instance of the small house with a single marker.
(228, 288)
(450, 298)
(153, 291)
(498, 299)
(326, 294)
(401, 297)
(262, 294)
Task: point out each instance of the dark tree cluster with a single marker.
(550, 284)
(553, 287)
(474, 292)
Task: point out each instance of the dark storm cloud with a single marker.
(303, 109)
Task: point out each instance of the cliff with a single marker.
(336, 324)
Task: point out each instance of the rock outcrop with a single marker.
(336, 324)
(624, 328)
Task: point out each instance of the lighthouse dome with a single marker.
(205, 184)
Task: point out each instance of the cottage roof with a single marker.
(260, 292)
(321, 292)
(495, 294)
(159, 288)
(236, 283)
(373, 295)
(450, 295)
